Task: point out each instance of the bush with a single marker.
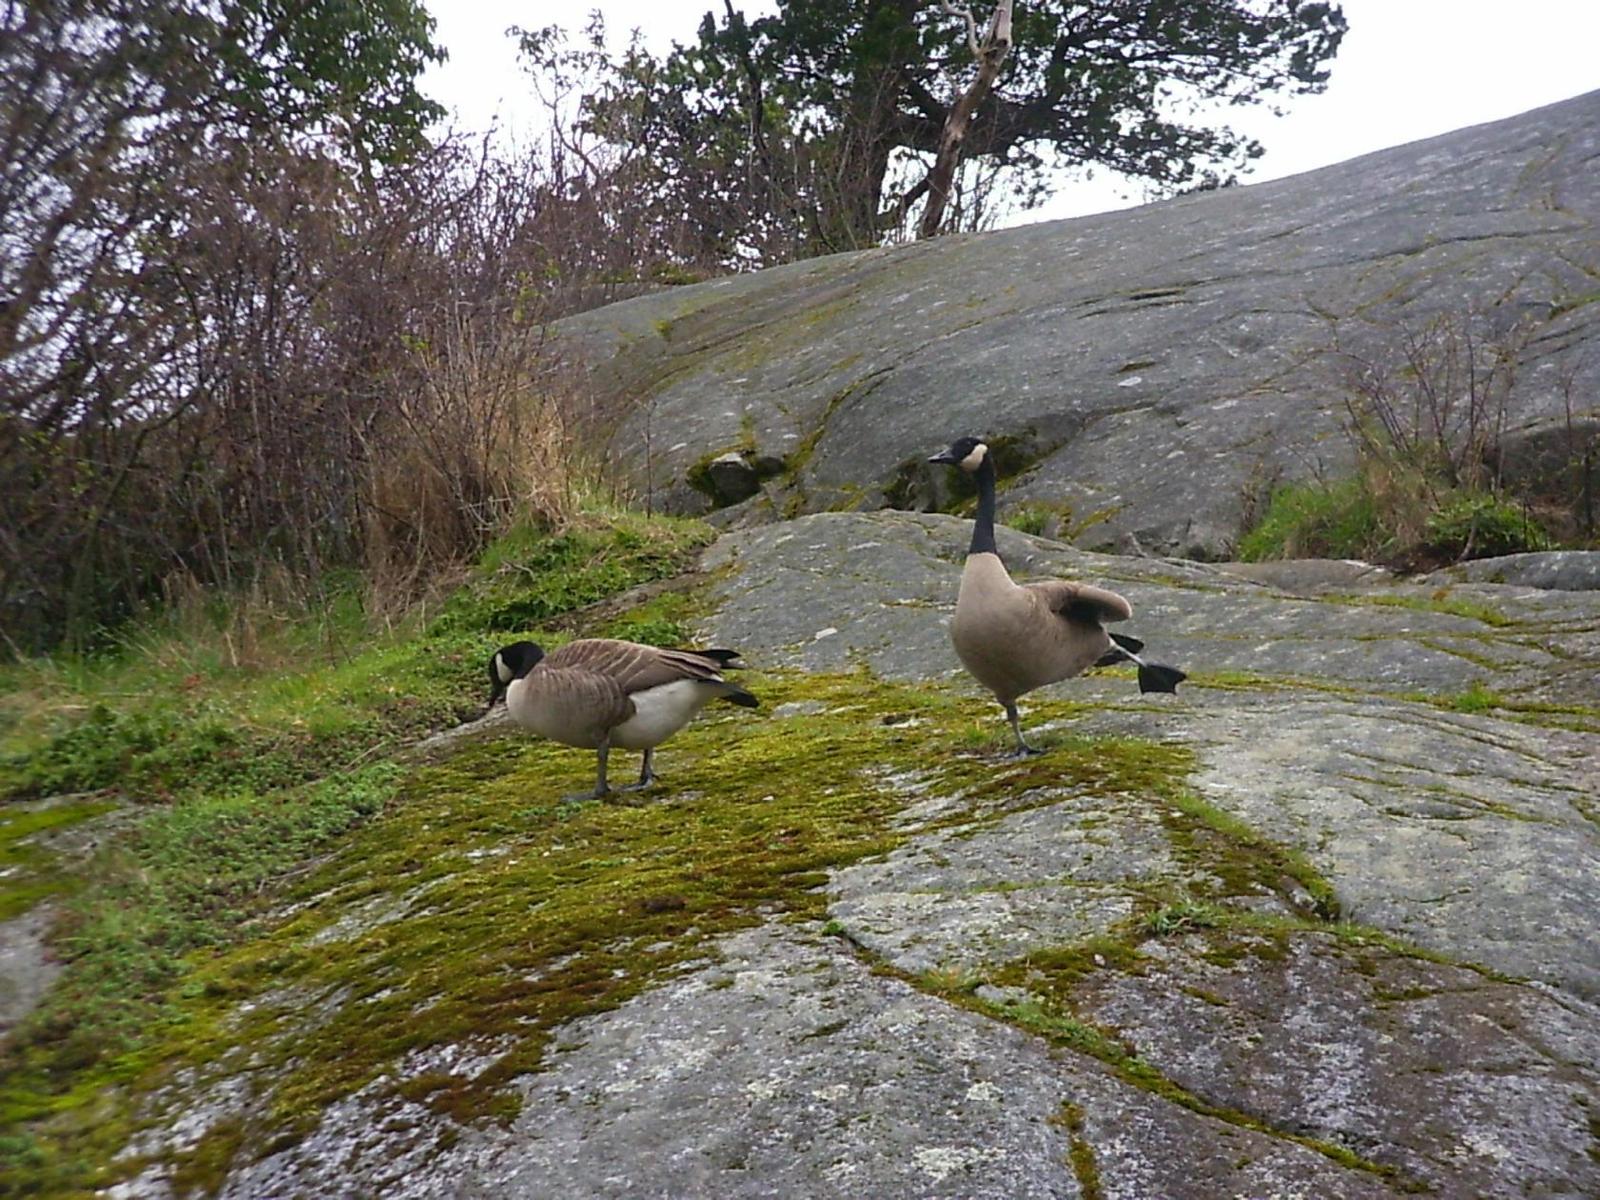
(1424, 413)
(1316, 520)
(1481, 526)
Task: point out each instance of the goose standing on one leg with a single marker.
(602, 694)
(1013, 637)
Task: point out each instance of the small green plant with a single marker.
(1028, 518)
(1476, 699)
(1475, 525)
(1181, 917)
(1424, 413)
(1049, 518)
(1316, 520)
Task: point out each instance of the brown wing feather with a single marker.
(1081, 601)
(632, 665)
(589, 704)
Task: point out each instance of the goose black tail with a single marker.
(723, 658)
(1153, 677)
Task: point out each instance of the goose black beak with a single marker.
(942, 457)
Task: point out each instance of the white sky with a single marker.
(1408, 69)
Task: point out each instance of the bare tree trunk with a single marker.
(990, 54)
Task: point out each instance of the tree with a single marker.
(847, 102)
(120, 120)
(990, 52)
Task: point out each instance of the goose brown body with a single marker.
(600, 693)
(592, 689)
(1015, 637)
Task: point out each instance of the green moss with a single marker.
(184, 882)
(1066, 966)
(204, 1167)
(495, 912)
(229, 765)
(1439, 601)
(1062, 1029)
(1080, 1155)
(665, 619)
(27, 872)
(1242, 863)
(580, 906)
(1476, 699)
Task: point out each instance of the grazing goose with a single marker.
(1013, 637)
(600, 693)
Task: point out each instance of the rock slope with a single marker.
(1154, 370)
(1321, 927)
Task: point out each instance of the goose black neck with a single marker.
(983, 526)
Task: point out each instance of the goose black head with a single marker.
(967, 453)
(510, 663)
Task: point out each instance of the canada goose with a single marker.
(1015, 638)
(600, 693)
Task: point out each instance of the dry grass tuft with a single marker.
(488, 439)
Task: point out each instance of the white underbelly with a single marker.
(659, 712)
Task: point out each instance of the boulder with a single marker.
(1150, 372)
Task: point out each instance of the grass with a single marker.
(171, 710)
(1408, 527)
(1314, 520)
(234, 773)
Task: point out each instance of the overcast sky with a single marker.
(1408, 69)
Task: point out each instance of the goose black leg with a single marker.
(1023, 750)
(647, 774)
(601, 787)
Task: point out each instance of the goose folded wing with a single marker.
(633, 666)
(1082, 603)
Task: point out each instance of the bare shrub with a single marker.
(1435, 402)
(1426, 413)
(332, 372)
(229, 352)
(487, 437)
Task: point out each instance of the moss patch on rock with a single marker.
(28, 873)
(479, 910)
